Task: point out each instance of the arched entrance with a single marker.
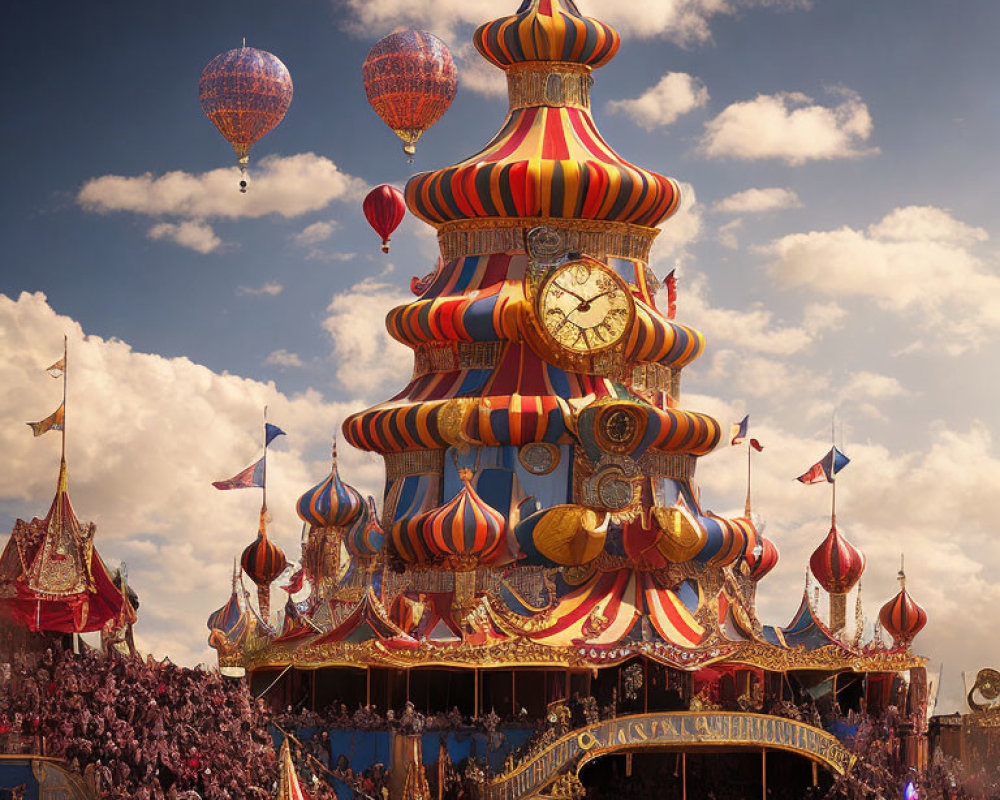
(737, 774)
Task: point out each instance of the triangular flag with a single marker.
(53, 422)
(252, 476)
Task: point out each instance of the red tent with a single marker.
(52, 577)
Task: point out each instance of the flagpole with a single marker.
(264, 481)
(833, 470)
(65, 371)
(747, 506)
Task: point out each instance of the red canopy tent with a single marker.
(52, 578)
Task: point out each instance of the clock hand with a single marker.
(568, 291)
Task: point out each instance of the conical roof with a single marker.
(51, 575)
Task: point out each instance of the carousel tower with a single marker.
(541, 425)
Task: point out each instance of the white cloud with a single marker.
(917, 261)
(195, 236)
(758, 201)
(271, 289)
(283, 358)
(682, 229)
(369, 360)
(727, 234)
(146, 435)
(789, 126)
(316, 232)
(754, 330)
(322, 255)
(676, 93)
(284, 185)
(681, 21)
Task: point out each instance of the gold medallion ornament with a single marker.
(539, 458)
(583, 307)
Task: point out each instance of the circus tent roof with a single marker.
(51, 575)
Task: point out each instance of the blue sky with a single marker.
(866, 279)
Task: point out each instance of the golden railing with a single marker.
(679, 731)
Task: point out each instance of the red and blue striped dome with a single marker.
(547, 30)
(263, 561)
(764, 561)
(330, 503)
(467, 531)
(407, 539)
(837, 564)
(901, 616)
(365, 537)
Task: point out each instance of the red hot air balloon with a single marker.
(410, 79)
(384, 209)
(246, 93)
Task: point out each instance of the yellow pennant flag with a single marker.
(57, 369)
(53, 422)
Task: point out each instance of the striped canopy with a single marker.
(545, 162)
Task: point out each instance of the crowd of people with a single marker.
(149, 730)
(138, 729)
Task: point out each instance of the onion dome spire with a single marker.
(467, 531)
(837, 564)
(365, 537)
(263, 561)
(547, 30)
(762, 560)
(330, 503)
(901, 616)
(549, 161)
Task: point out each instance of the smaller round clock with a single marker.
(584, 307)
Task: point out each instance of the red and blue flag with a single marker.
(825, 470)
(252, 476)
(738, 431)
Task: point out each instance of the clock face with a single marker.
(585, 307)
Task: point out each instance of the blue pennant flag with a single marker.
(271, 432)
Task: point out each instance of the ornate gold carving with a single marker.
(549, 84)
(448, 356)
(598, 239)
(413, 462)
(679, 466)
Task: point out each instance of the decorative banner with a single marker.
(679, 730)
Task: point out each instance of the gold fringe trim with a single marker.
(413, 462)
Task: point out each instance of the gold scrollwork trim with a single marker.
(595, 238)
(549, 84)
(413, 462)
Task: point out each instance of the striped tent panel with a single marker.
(672, 620)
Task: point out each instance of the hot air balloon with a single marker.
(384, 209)
(410, 79)
(246, 93)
